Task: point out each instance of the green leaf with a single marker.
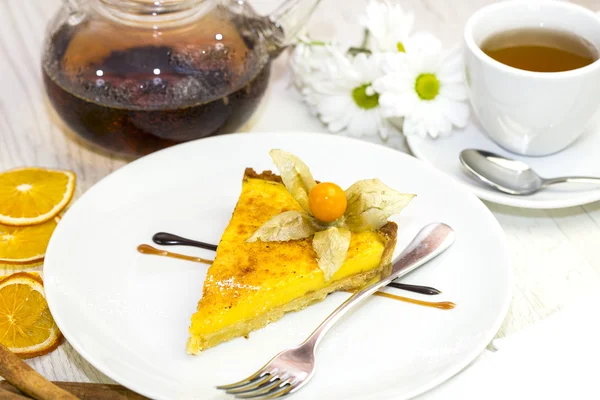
(331, 246)
(289, 225)
(371, 203)
(296, 176)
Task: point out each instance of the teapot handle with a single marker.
(72, 5)
(290, 17)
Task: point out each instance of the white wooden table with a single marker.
(556, 255)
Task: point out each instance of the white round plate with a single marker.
(581, 158)
(128, 313)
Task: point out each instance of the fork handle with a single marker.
(431, 241)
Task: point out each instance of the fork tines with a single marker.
(260, 386)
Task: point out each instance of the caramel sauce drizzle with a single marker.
(147, 249)
(442, 305)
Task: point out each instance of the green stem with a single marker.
(313, 43)
(366, 37)
(363, 46)
(356, 50)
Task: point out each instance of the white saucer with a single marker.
(581, 158)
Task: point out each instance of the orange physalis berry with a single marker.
(327, 202)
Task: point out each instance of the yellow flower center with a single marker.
(400, 47)
(427, 86)
(365, 97)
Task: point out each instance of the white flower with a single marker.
(391, 27)
(427, 89)
(307, 60)
(310, 63)
(344, 98)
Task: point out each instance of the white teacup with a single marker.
(531, 113)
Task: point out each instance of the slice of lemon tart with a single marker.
(253, 283)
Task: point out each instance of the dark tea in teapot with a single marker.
(132, 91)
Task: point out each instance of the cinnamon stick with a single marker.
(27, 380)
(6, 386)
(88, 391)
(10, 395)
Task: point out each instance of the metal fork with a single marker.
(291, 369)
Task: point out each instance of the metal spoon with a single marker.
(511, 176)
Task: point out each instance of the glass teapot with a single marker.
(135, 76)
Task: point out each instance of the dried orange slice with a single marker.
(26, 325)
(25, 245)
(31, 196)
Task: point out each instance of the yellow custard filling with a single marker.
(270, 274)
